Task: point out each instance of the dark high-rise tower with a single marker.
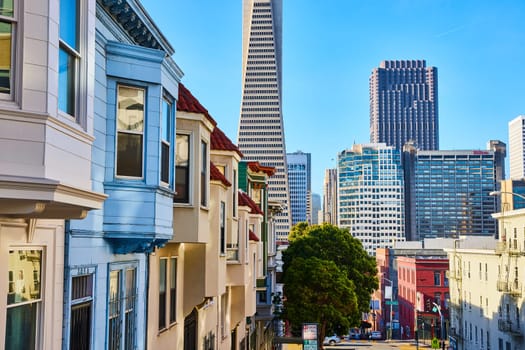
(261, 131)
(404, 104)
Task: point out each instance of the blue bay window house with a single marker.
(106, 254)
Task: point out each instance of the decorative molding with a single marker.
(31, 227)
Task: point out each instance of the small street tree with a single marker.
(328, 278)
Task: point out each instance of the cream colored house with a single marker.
(486, 289)
(46, 142)
(202, 282)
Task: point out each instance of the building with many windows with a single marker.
(261, 129)
(448, 192)
(404, 104)
(330, 200)
(107, 266)
(517, 148)
(370, 192)
(300, 184)
(47, 137)
(486, 289)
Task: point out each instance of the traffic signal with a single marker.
(428, 305)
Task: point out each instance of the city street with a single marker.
(377, 345)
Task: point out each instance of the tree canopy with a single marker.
(328, 278)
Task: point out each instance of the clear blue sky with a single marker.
(330, 48)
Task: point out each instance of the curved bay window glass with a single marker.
(130, 131)
(24, 299)
(69, 55)
(166, 120)
(6, 45)
(182, 169)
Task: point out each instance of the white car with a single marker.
(331, 340)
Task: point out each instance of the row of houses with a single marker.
(128, 219)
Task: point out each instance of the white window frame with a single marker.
(169, 142)
(142, 133)
(39, 302)
(14, 63)
(191, 162)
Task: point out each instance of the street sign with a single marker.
(391, 302)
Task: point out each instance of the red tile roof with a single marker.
(246, 201)
(188, 103)
(253, 236)
(221, 142)
(215, 174)
(256, 166)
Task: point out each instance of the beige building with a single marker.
(486, 289)
(202, 291)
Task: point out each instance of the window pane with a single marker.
(129, 154)
(69, 23)
(5, 57)
(80, 335)
(24, 273)
(182, 173)
(173, 290)
(166, 116)
(114, 311)
(129, 316)
(204, 171)
(165, 163)
(24, 276)
(66, 82)
(6, 8)
(21, 326)
(130, 109)
(162, 293)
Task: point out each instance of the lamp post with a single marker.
(389, 336)
(438, 308)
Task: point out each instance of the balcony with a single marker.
(507, 326)
(515, 288)
(502, 286)
(514, 248)
(454, 274)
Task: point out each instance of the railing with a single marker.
(503, 286)
(501, 247)
(515, 288)
(506, 325)
(514, 248)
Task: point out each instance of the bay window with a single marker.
(204, 172)
(166, 122)
(7, 26)
(69, 56)
(24, 299)
(130, 131)
(182, 169)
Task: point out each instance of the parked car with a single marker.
(354, 333)
(376, 335)
(332, 340)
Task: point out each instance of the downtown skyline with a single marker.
(329, 53)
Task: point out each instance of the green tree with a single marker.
(318, 291)
(330, 243)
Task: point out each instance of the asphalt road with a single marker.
(376, 345)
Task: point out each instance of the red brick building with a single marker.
(422, 281)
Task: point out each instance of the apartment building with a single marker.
(47, 138)
(486, 289)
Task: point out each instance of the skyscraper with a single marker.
(330, 196)
(370, 192)
(261, 131)
(448, 192)
(299, 181)
(517, 147)
(404, 104)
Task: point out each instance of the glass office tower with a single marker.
(448, 192)
(300, 183)
(370, 193)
